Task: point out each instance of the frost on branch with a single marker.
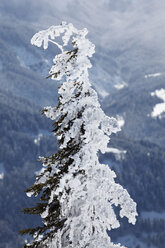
(78, 194)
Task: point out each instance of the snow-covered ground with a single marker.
(120, 121)
(159, 109)
(119, 154)
(1, 176)
(158, 74)
(121, 85)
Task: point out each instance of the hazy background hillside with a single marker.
(128, 66)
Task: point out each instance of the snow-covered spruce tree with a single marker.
(77, 193)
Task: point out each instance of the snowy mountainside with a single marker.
(136, 105)
(17, 58)
(118, 24)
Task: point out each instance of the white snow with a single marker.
(120, 120)
(120, 86)
(2, 171)
(38, 139)
(119, 154)
(158, 74)
(159, 109)
(29, 194)
(115, 150)
(159, 93)
(1, 176)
